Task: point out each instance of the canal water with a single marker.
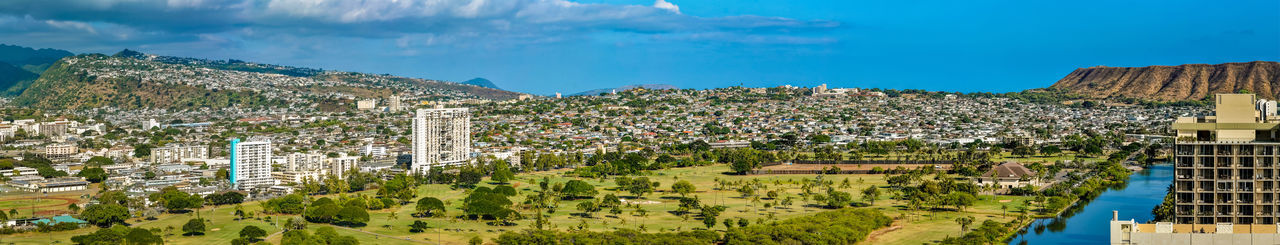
(1087, 224)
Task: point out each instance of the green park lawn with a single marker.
(909, 228)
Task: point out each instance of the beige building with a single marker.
(304, 162)
(60, 152)
(174, 153)
(296, 177)
(393, 103)
(1129, 232)
(338, 166)
(1009, 175)
(54, 129)
(366, 104)
(1225, 164)
(441, 137)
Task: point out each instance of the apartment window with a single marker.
(1186, 150)
(1224, 150)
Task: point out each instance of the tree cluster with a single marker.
(119, 235)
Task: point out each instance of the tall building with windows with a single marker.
(393, 103)
(1225, 164)
(251, 164)
(174, 153)
(338, 166)
(304, 162)
(441, 137)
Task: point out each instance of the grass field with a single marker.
(44, 205)
(911, 227)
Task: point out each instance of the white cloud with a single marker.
(663, 4)
(424, 22)
(72, 25)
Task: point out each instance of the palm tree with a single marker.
(964, 222)
(1004, 208)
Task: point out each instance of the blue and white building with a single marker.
(251, 164)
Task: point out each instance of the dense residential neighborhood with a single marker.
(272, 154)
(566, 122)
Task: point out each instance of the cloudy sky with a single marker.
(547, 46)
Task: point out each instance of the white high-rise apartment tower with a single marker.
(441, 137)
(251, 164)
(393, 104)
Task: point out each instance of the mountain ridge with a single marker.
(131, 79)
(31, 59)
(12, 78)
(480, 81)
(1174, 83)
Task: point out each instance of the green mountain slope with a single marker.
(133, 80)
(68, 86)
(32, 60)
(19, 66)
(11, 75)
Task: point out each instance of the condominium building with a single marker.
(54, 129)
(1225, 164)
(368, 104)
(393, 103)
(174, 153)
(338, 166)
(251, 164)
(441, 137)
(305, 162)
(60, 152)
(373, 151)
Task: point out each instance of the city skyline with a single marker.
(543, 47)
(639, 121)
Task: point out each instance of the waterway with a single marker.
(1086, 223)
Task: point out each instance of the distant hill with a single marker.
(595, 92)
(482, 83)
(1174, 83)
(11, 75)
(32, 60)
(19, 66)
(131, 80)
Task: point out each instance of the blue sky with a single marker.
(547, 46)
